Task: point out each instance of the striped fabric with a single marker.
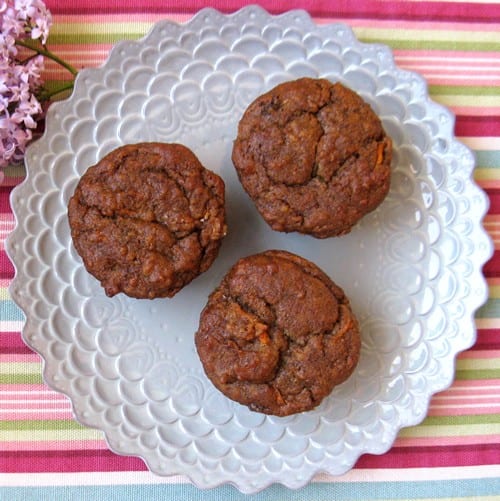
(455, 452)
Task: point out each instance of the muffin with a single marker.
(147, 219)
(313, 156)
(277, 334)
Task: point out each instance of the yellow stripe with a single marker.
(464, 364)
(494, 291)
(449, 431)
(20, 367)
(427, 35)
(50, 435)
(481, 143)
(486, 174)
(119, 28)
(468, 101)
(487, 323)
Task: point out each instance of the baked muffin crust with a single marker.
(277, 334)
(147, 219)
(313, 156)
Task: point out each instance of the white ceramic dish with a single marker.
(412, 268)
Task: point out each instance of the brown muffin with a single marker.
(147, 219)
(313, 156)
(277, 334)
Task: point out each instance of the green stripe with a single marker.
(62, 38)
(435, 44)
(488, 159)
(477, 374)
(444, 429)
(461, 420)
(92, 38)
(491, 309)
(39, 424)
(465, 90)
(56, 424)
(15, 171)
(21, 378)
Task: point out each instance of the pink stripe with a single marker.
(433, 76)
(450, 455)
(59, 461)
(417, 25)
(479, 354)
(50, 445)
(460, 66)
(463, 410)
(478, 391)
(104, 460)
(30, 395)
(30, 414)
(6, 267)
(472, 57)
(11, 342)
(35, 406)
(489, 184)
(434, 79)
(26, 388)
(473, 110)
(472, 382)
(28, 357)
(7, 218)
(477, 126)
(113, 18)
(449, 12)
(447, 55)
(11, 181)
(355, 22)
(443, 440)
(467, 400)
(448, 69)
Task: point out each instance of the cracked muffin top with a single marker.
(277, 334)
(313, 156)
(147, 219)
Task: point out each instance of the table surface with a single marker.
(455, 452)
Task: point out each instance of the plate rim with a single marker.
(17, 192)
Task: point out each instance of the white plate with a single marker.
(412, 268)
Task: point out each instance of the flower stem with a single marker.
(47, 94)
(43, 51)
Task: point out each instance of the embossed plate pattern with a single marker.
(412, 268)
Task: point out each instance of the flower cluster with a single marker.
(21, 65)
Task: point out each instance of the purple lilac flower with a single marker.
(20, 75)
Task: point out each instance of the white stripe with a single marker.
(35, 411)
(461, 398)
(145, 477)
(464, 406)
(39, 401)
(413, 474)
(467, 71)
(87, 478)
(489, 61)
(486, 78)
(11, 326)
(45, 391)
(486, 391)
(481, 143)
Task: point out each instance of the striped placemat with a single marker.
(455, 452)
